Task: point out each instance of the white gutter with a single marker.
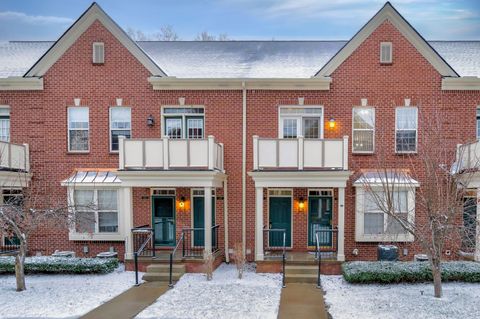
(464, 83)
(21, 84)
(244, 168)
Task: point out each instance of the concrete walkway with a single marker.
(129, 303)
(302, 301)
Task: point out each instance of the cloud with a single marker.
(20, 17)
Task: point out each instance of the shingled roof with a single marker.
(238, 59)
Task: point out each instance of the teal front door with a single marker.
(320, 218)
(280, 215)
(199, 220)
(163, 208)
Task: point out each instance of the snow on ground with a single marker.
(460, 300)
(61, 296)
(254, 296)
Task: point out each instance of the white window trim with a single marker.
(291, 196)
(68, 130)
(10, 120)
(374, 129)
(390, 58)
(396, 130)
(163, 116)
(118, 236)
(300, 117)
(477, 118)
(359, 218)
(99, 44)
(111, 129)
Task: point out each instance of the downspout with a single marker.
(244, 167)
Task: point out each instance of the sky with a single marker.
(242, 19)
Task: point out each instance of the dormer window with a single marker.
(386, 52)
(98, 53)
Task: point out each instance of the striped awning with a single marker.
(92, 176)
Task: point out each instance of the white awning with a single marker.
(383, 178)
(100, 176)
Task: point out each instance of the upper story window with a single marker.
(78, 129)
(386, 52)
(406, 129)
(98, 53)
(184, 122)
(478, 122)
(363, 130)
(4, 123)
(297, 121)
(120, 125)
(96, 211)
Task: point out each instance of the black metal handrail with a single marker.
(283, 248)
(140, 247)
(333, 247)
(7, 248)
(172, 254)
(194, 241)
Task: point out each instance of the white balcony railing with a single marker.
(300, 153)
(167, 154)
(14, 156)
(468, 156)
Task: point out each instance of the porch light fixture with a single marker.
(182, 202)
(150, 121)
(301, 203)
(331, 123)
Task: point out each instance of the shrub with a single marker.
(396, 272)
(60, 265)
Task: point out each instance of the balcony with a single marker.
(170, 154)
(14, 157)
(300, 154)
(468, 156)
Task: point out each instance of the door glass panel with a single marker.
(164, 220)
(311, 127)
(195, 127)
(173, 127)
(320, 220)
(290, 128)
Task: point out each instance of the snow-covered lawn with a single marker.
(400, 300)
(60, 296)
(254, 296)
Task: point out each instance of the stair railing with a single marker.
(172, 254)
(283, 247)
(148, 236)
(320, 236)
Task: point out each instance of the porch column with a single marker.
(258, 223)
(208, 219)
(477, 232)
(125, 194)
(341, 224)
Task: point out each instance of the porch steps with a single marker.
(161, 272)
(296, 273)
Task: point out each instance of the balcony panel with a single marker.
(134, 149)
(313, 150)
(14, 156)
(288, 153)
(153, 153)
(267, 153)
(468, 156)
(333, 153)
(198, 153)
(178, 153)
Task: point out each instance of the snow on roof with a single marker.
(238, 59)
(385, 178)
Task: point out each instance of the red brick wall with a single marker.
(40, 119)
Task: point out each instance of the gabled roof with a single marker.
(388, 12)
(93, 13)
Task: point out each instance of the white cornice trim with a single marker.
(390, 14)
(145, 178)
(300, 178)
(173, 83)
(466, 83)
(21, 84)
(94, 12)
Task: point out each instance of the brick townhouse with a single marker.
(273, 133)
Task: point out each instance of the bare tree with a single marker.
(205, 36)
(239, 259)
(430, 176)
(166, 33)
(137, 35)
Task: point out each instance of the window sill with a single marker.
(96, 237)
(78, 152)
(363, 153)
(406, 153)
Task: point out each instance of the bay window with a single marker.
(184, 122)
(120, 125)
(363, 134)
(297, 121)
(78, 129)
(406, 129)
(96, 211)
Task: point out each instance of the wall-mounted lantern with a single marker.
(150, 121)
(301, 203)
(181, 204)
(331, 123)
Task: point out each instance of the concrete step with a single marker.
(179, 268)
(301, 269)
(161, 276)
(301, 278)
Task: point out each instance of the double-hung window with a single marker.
(375, 221)
(363, 130)
(297, 121)
(96, 211)
(406, 129)
(184, 122)
(78, 129)
(120, 125)
(5, 124)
